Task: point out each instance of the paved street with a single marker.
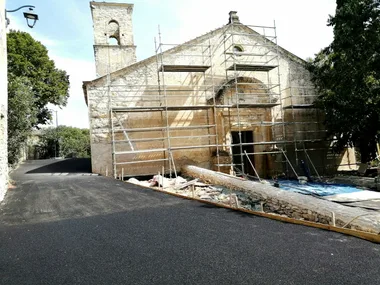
(58, 226)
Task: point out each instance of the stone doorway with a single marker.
(246, 138)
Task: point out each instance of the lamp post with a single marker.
(29, 16)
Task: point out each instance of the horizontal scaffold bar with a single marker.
(261, 45)
(296, 97)
(269, 86)
(248, 53)
(198, 107)
(164, 149)
(184, 68)
(263, 94)
(140, 140)
(164, 128)
(256, 45)
(140, 151)
(261, 152)
(153, 108)
(253, 26)
(192, 137)
(325, 139)
(154, 92)
(249, 105)
(313, 131)
(163, 138)
(299, 106)
(298, 87)
(201, 146)
(258, 35)
(242, 60)
(170, 87)
(139, 86)
(251, 67)
(141, 161)
(303, 122)
(311, 149)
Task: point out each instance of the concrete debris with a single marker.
(149, 183)
(162, 181)
(196, 189)
(239, 193)
(186, 184)
(180, 181)
(294, 205)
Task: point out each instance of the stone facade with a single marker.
(3, 104)
(189, 97)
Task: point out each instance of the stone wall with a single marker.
(137, 86)
(3, 104)
(113, 36)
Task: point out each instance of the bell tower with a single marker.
(113, 36)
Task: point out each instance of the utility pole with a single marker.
(56, 134)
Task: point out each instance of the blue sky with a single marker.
(65, 28)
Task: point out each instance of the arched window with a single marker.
(113, 32)
(237, 50)
(112, 41)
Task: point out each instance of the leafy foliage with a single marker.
(22, 115)
(347, 76)
(29, 58)
(64, 141)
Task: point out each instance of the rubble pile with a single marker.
(199, 190)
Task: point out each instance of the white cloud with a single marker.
(75, 113)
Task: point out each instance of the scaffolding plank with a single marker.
(164, 149)
(136, 109)
(299, 106)
(160, 108)
(198, 107)
(163, 128)
(252, 105)
(140, 151)
(141, 140)
(141, 161)
(251, 67)
(183, 68)
(247, 53)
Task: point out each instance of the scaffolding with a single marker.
(161, 136)
(221, 95)
(305, 128)
(250, 54)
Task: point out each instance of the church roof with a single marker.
(178, 48)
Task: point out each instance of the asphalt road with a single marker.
(80, 229)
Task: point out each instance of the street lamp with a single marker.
(31, 17)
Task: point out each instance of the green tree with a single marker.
(347, 77)
(65, 141)
(29, 58)
(22, 115)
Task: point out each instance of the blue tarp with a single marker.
(314, 188)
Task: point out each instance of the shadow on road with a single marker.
(71, 165)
